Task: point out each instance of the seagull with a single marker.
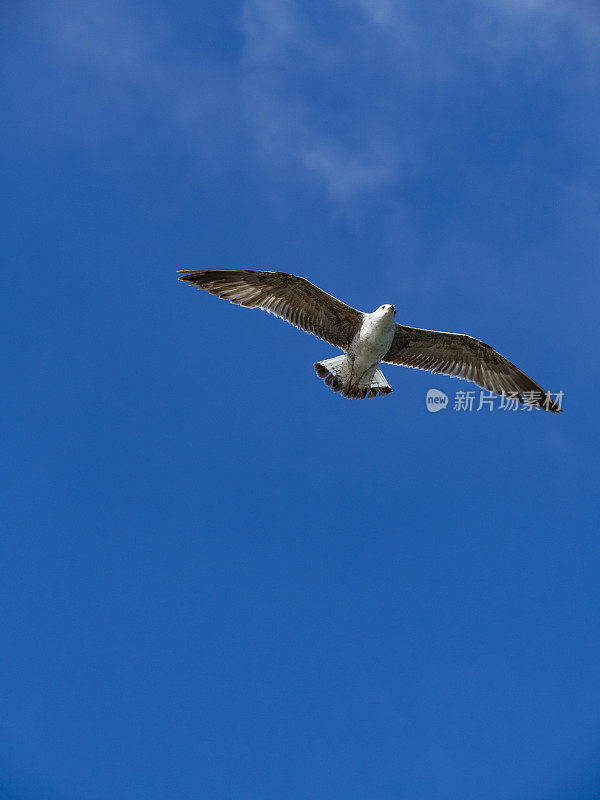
(368, 339)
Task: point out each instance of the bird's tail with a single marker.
(336, 373)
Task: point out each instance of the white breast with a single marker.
(374, 338)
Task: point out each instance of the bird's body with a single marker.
(367, 339)
(373, 339)
(369, 345)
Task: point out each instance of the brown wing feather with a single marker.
(287, 296)
(462, 356)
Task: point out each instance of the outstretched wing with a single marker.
(462, 356)
(287, 296)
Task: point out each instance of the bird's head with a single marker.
(386, 309)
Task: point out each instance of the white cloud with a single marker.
(269, 25)
(319, 78)
(327, 92)
(347, 173)
(299, 93)
(380, 12)
(135, 67)
(580, 16)
(104, 34)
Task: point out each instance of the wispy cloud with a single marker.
(584, 15)
(133, 63)
(380, 12)
(269, 26)
(299, 88)
(327, 91)
(340, 96)
(540, 23)
(345, 173)
(105, 34)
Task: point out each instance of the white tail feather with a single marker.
(336, 373)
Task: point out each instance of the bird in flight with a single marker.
(368, 338)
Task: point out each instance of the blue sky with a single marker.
(218, 579)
